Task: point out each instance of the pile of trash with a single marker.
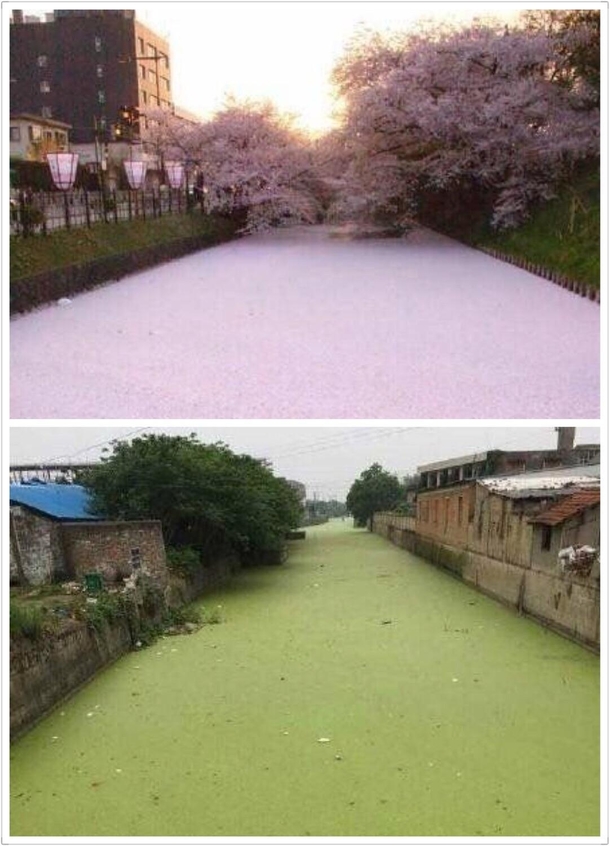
(577, 559)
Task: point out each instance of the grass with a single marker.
(63, 248)
(563, 235)
(27, 621)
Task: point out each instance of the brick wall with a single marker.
(110, 549)
(443, 515)
(35, 548)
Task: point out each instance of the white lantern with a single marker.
(136, 173)
(63, 169)
(175, 173)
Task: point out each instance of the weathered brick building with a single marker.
(55, 537)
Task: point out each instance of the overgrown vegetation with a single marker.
(63, 248)
(27, 621)
(206, 497)
(562, 235)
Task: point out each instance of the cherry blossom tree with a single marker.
(254, 163)
(438, 109)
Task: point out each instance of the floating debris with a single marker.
(90, 714)
(64, 301)
(454, 680)
(324, 740)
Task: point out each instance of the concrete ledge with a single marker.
(30, 292)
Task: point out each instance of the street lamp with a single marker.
(63, 171)
(175, 173)
(136, 173)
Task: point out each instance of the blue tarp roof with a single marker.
(62, 502)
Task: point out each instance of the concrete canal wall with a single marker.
(45, 672)
(567, 603)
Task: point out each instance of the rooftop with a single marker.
(539, 482)
(60, 502)
(567, 507)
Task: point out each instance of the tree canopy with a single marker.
(253, 160)
(205, 495)
(511, 110)
(375, 490)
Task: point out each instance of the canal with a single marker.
(297, 324)
(355, 691)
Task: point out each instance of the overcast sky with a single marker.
(326, 460)
(281, 51)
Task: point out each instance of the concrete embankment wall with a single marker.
(569, 604)
(47, 671)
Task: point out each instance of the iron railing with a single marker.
(42, 212)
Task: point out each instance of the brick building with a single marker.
(54, 536)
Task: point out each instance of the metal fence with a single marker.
(43, 212)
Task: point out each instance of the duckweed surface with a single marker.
(356, 691)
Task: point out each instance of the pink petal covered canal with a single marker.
(300, 324)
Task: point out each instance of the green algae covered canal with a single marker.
(356, 691)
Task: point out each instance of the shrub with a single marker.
(184, 560)
(26, 621)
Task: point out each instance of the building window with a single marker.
(35, 133)
(547, 533)
(165, 83)
(152, 50)
(152, 76)
(144, 97)
(142, 71)
(46, 112)
(42, 61)
(460, 514)
(44, 87)
(100, 71)
(97, 41)
(101, 96)
(15, 133)
(141, 46)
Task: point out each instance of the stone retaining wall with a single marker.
(44, 673)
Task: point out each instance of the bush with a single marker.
(26, 621)
(184, 560)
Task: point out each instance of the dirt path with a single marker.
(298, 324)
(355, 691)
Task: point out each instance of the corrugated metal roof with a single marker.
(567, 507)
(525, 483)
(61, 502)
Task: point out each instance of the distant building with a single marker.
(497, 462)
(32, 136)
(80, 66)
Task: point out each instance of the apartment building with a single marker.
(80, 66)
